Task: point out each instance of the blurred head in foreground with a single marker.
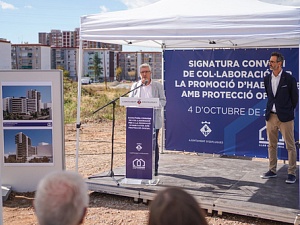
(61, 198)
(174, 206)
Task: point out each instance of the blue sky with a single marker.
(21, 21)
(21, 91)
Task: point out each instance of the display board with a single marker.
(216, 100)
(32, 126)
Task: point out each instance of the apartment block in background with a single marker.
(67, 39)
(130, 61)
(108, 64)
(154, 59)
(30, 56)
(5, 56)
(65, 52)
(65, 58)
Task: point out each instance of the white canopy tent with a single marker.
(170, 24)
(196, 24)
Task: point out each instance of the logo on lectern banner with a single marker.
(138, 164)
(139, 146)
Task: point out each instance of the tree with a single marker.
(132, 74)
(60, 67)
(66, 73)
(97, 66)
(118, 73)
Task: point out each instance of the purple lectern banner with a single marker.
(139, 143)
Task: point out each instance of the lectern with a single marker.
(140, 138)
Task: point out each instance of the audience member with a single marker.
(61, 198)
(174, 206)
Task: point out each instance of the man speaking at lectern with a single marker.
(150, 89)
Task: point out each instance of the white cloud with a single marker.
(137, 3)
(28, 7)
(5, 5)
(103, 9)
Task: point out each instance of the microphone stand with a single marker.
(113, 102)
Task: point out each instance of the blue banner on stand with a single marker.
(139, 143)
(216, 100)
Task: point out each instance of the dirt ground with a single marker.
(95, 157)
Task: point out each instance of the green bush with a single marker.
(93, 97)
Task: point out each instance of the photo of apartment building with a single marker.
(28, 146)
(26, 102)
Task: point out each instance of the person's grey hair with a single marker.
(145, 65)
(61, 198)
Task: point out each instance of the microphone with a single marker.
(146, 82)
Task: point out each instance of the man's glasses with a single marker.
(145, 72)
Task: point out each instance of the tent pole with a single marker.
(163, 130)
(79, 72)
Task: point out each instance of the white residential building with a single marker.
(31, 56)
(5, 56)
(44, 149)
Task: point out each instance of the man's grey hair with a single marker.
(144, 65)
(61, 198)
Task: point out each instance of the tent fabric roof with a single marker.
(197, 24)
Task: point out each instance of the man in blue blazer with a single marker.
(282, 93)
(150, 89)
